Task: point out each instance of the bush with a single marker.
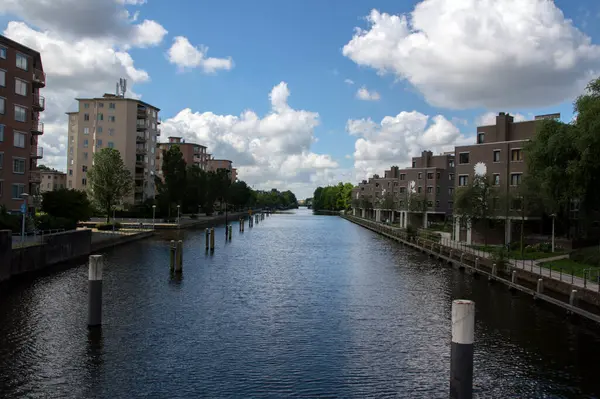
(43, 221)
(411, 232)
(9, 222)
(108, 226)
(193, 216)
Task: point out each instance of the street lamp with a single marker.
(153, 215)
(553, 217)
(113, 220)
(178, 220)
(24, 212)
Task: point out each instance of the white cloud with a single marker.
(272, 151)
(349, 81)
(480, 53)
(183, 54)
(364, 94)
(489, 118)
(398, 138)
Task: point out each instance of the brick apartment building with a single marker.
(430, 179)
(499, 155)
(193, 154)
(216, 164)
(128, 125)
(21, 78)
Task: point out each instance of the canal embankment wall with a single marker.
(555, 292)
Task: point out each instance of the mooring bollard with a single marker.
(573, 298)
(173, 255)
(540, 286)
(513, 278)
(476, 263)
(212, 238)
(179, 257)
(207, 237)
(494, 271)
(240, 226)
(230, 230)
(95, 290)
(226, 232)
(461, 352)
(243, 224)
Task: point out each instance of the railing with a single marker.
(37, 127)
(139, 176)
(141, 113)
(158, 121)
(139, 150)
(39, 77)
(158, 132)
(39, 102)
(37, 152)
(35, 237)
(139, 138)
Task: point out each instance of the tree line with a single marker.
(332, 198)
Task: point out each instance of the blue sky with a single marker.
(300, 43)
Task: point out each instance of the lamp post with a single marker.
(553, 217)
(178, 220)
(24, 212)
(113, 220)
(153, 216)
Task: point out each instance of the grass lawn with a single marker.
(517, 254)
(569, 266)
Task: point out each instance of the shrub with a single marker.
(9, 222)
(43, 221)
(411, 232)
(108, 226)
(193, 216)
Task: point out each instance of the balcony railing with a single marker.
(140, 139)
(39, 102)
(39, 78)
(35, 176)
(140, 150)
(158, 121)
(141, 125)
(158, 132)
(139, 176)
(37, 127)
(141, 113)
(139, 189)
(37, 152)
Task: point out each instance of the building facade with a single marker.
(216, 164)
(21, 78)
(52, 180)
(497, 154)
(128, 125)
(417, 195)
(193, 154)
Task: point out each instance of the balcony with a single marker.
(158, 132)
(139, 189)
(140, 150)
(140, 139)
(139, 176)
(142, 113)
(141, 125)
(39, 102)
(158, 121)
(35, 176)
(39, 78)
(37, 152)
(37, 127)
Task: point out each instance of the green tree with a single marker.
(109, 180)
(69, 204)
(526, 201)
(196, 187)
(174, 174)
(240, 194)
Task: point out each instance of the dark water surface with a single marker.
(298, 306)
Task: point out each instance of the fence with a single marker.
(32, 238)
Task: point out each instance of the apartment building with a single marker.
(216, 164)
(131, 126)
(21, 78)
(52, 180)
(193, 154)
(429, 181)
(498, 154)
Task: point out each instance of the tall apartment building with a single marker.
(126, 124)
(430, 179)
(193, 154)
(216, 164)
(499, 155)
(21, 78)
(52, 180)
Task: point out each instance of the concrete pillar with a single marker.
(353, 211)
(392, 216)
(573, 298)
(456, 229)
(469, 242)
(425, 220)
(540, 286)
(461, 352)
(362, 212)
(508, 230)
(95, 290)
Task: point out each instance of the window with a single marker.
(2, 52)
(70, 172)
(2, 105)
(429, 190)
(86, 130)
(414, 164)
(1, 160)
(111, 118)
(98, 143)
(1, 133)
(2, 77)
(429, 204)
(84, 168)
(402, 176)
(20, 87)
(451, 191)
(496, 155)
(1, 187)
(85, 143)
(86, 105)
(111, 105)
(420, 189)
(111, 132)
(480, 138)
(496, 179)
(48, 185)
(17, 190)
(450, 176)
(86, 117)
(516, 155)
(85, 156)
(437, 204)
(402, 189)
(22, 61)
(99, 130)
(430, 175)
(451, 163)
(112, 145)
(437, 190)
(100, 116)
(515, 204)
(496, 203)
(70, 184)
(20, 113)
(450, 204)
(515, 179)
(438, 175)
(100, 105)
(420, 175)
(83, 181)
(19, 165)
(463, 180)
(463, 158)
(19, 139)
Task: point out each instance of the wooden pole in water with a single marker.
(212, 238)
(179, 257)
(207, 238)
(461, 352)
(230, 230)
(96, 265)
(173, 255)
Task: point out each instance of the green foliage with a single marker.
(67, 204)
(411, 231)
(8, 221)
(108, 226)
(333, 198)
(174, 173)
(240, 194)
(109, 180)
(195, 189)
(44, 221)
(275, 199)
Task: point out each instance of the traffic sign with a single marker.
(23, 208)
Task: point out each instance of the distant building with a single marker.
(21, 78)
(193, 154)
(216, 164)
(53, 180)
(128, 125)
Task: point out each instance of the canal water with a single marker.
(298, 306)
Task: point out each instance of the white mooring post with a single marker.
(461, 352)
(96, 264)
